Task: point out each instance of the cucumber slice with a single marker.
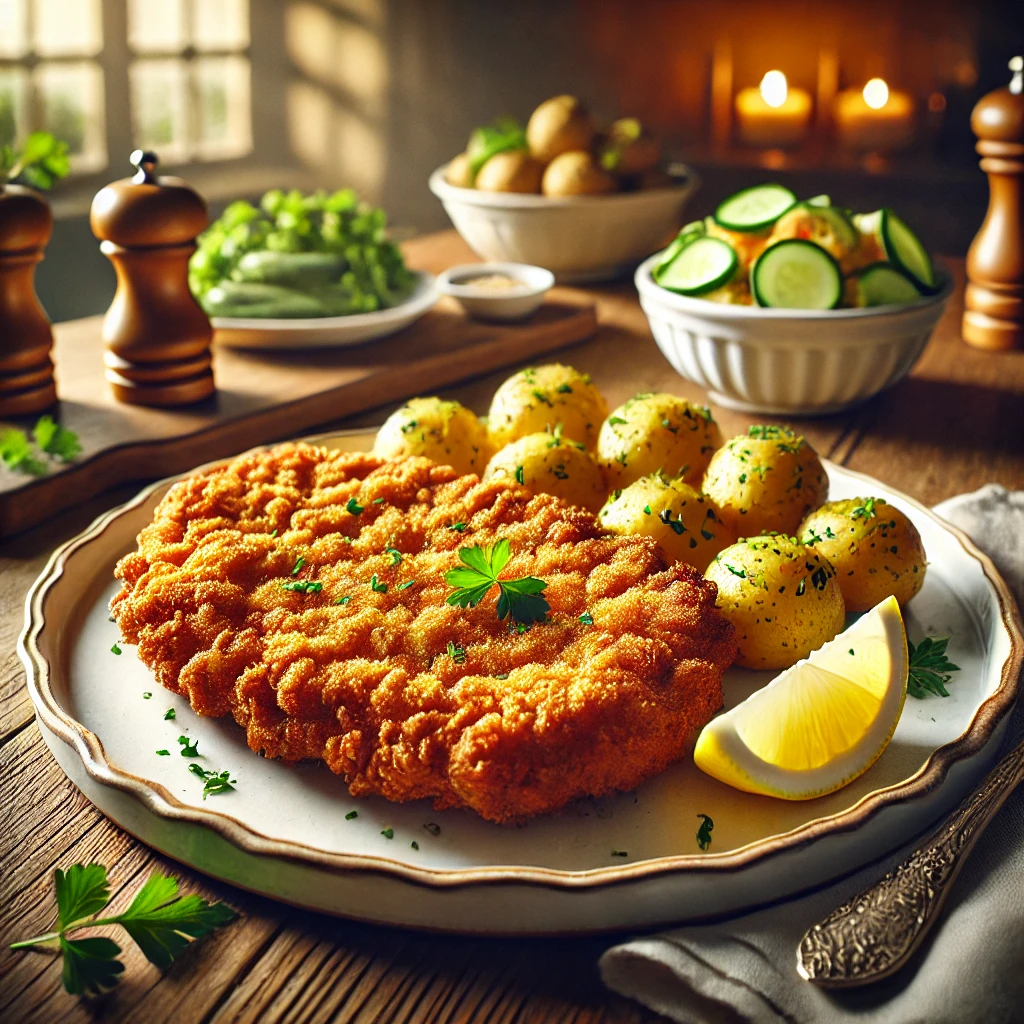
(702, 266)
(795, 274)
(882, 284)
(687, 233)
(900, 245)
(695, 227)
(756, 208)
(842, 226)
(821, 200)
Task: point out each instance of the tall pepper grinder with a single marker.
(994, 301)
(26, 370)
(156, 335)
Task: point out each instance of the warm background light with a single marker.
(774, 88)
(773, 115)
(876, 93)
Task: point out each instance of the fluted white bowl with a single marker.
(577, 238)
(787, 361)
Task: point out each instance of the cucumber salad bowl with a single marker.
(796, 308)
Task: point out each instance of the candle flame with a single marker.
(774, 88)
(876, 93)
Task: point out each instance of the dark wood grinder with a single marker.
(994, 301)
(26, 369)
(156, 335)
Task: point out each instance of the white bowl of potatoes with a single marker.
(792, 308)
(560, 194)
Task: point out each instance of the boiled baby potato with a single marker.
(576, 173)
(783, 599)
(876, 550)
(686, 524)
(654, 432)
(543, 398)
(548, 463)
(512, 171)
(768, 479)
(446, 432)
(460, 172)
(558, 125)
(628, 149)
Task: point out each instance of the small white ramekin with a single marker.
(795, 362)
(497, 304)
(578, 238)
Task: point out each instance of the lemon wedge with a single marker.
(821, 723)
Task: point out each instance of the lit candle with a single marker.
(772, 115)
(876, 119)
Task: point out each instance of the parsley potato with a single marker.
(876, 550)
(768, 479)
(686, 524)
(446, 432)
(782, 598)
(541, 398)
(551, 464)
(657, 432)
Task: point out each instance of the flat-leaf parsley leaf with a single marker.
(521, 599)
(929, 667)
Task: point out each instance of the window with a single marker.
(176, 79)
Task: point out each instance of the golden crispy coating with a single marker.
(511, 725)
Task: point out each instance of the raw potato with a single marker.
(446, 432)
(767, 480)
(558, 125)
(876, 550)
(541, 398)
(512, 171)
(654, 432)
(576, 174)
(683, 522)
(551, 464)
(783, 599)
(459, 172)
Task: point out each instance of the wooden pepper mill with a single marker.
(26, 370)
(157, 336)
(994, 301)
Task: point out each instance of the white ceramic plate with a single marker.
(326, 331)
(284, 832)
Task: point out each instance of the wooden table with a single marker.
(956, 423)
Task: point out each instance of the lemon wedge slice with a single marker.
(821, 723)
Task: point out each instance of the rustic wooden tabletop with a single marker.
(956, 423)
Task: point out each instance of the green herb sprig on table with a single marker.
(521, 599)
(48, 438)
(161, 923)
(929, 667)
(41, 162)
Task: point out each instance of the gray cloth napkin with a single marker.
(972, 966)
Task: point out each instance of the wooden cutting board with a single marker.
(264, 396)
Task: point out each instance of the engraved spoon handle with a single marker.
(876, 932)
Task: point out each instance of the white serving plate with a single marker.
(283, 832)
(326, 331)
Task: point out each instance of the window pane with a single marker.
(13, 27)
(156, 27)
(220, 24)
(13, 104)
(222, 100)
(67, 27)
(159, 111)
(71, 100)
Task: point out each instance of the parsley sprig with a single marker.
(48, 438)
(929, 667)
(521, 599)
(162, 924)
(704, 831)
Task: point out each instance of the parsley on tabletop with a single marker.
(41, 162)
(521, 599)
(704, 832)
(18, 453)
(929, 667)
(161, 923)
(56, 440)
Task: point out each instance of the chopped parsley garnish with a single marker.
(300, 562)
(587, 619)
(162, 924)
(343, 600)
(56, 440)
(274, 534)
(704, 832)
(164, 753)
(665, 515)
(564, 389)
(864, 511)
(616, 421)
(377, 501)
(303, 586)
(351, 815)
(406, 585)
(388, 833)
(621, 458)
(541, 397)
(519, 474)
(213, 782)
(456, 653)
(458, 527)
(434, 830)
(501, 675)
(770, 432)
(706, 535)
(170, 714)
(396, 555)
(377, 586)
(414, 845)
(189, 748)
(408, 428)
(353, 507)
(146, 695)
(742, 573)
(929, 667)
(811, 537)
(521, 599)
(619, 853)
(115, 649)
(647, 510)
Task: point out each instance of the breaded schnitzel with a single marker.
(273, 589)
